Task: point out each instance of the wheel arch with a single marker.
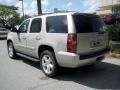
(9, 40)
(42, 48)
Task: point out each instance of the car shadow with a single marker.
(29, 62)
(99, 76)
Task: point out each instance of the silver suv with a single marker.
(60, 40)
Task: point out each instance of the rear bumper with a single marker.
(94, 54)
(72, 60)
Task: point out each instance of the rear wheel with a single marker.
(11, 51)
(48, 63)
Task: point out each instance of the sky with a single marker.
(30, 6)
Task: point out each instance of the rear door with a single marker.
(34, 36)
(91, 35)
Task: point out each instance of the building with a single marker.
(106, 6)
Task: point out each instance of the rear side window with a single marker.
(87, 23)
(57, 24)
(36, 25)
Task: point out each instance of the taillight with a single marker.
(72, 43)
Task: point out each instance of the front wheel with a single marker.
(48, 63)
(11, 50)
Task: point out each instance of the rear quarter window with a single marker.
(57, 24)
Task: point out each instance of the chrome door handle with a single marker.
(38, 38)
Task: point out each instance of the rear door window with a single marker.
(36, 25)
(87, 23)
(57, 24)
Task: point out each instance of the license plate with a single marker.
(96, 43)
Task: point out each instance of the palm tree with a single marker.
(39, 7)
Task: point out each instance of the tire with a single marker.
(48, 63)
(11, 50)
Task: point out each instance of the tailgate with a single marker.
(91, 42)
(91, 33)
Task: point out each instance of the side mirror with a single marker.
(12, 28)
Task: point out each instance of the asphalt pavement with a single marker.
(23, 74)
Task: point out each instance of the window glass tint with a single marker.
(87, 23)
(36, 25)
(24, 27)
(57, 24)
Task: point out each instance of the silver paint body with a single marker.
(28, 43)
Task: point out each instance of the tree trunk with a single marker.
(39, 7)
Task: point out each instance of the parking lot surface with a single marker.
(22, 74)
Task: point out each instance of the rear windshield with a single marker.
(87, 23)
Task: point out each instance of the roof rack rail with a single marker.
(57, 12)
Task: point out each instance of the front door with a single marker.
(21, 39)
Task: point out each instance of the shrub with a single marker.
(115, 48)
(114, 32)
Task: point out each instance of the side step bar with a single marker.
(28, 57)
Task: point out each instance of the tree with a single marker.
(6, 13)
(15, 20)
(116, 8)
